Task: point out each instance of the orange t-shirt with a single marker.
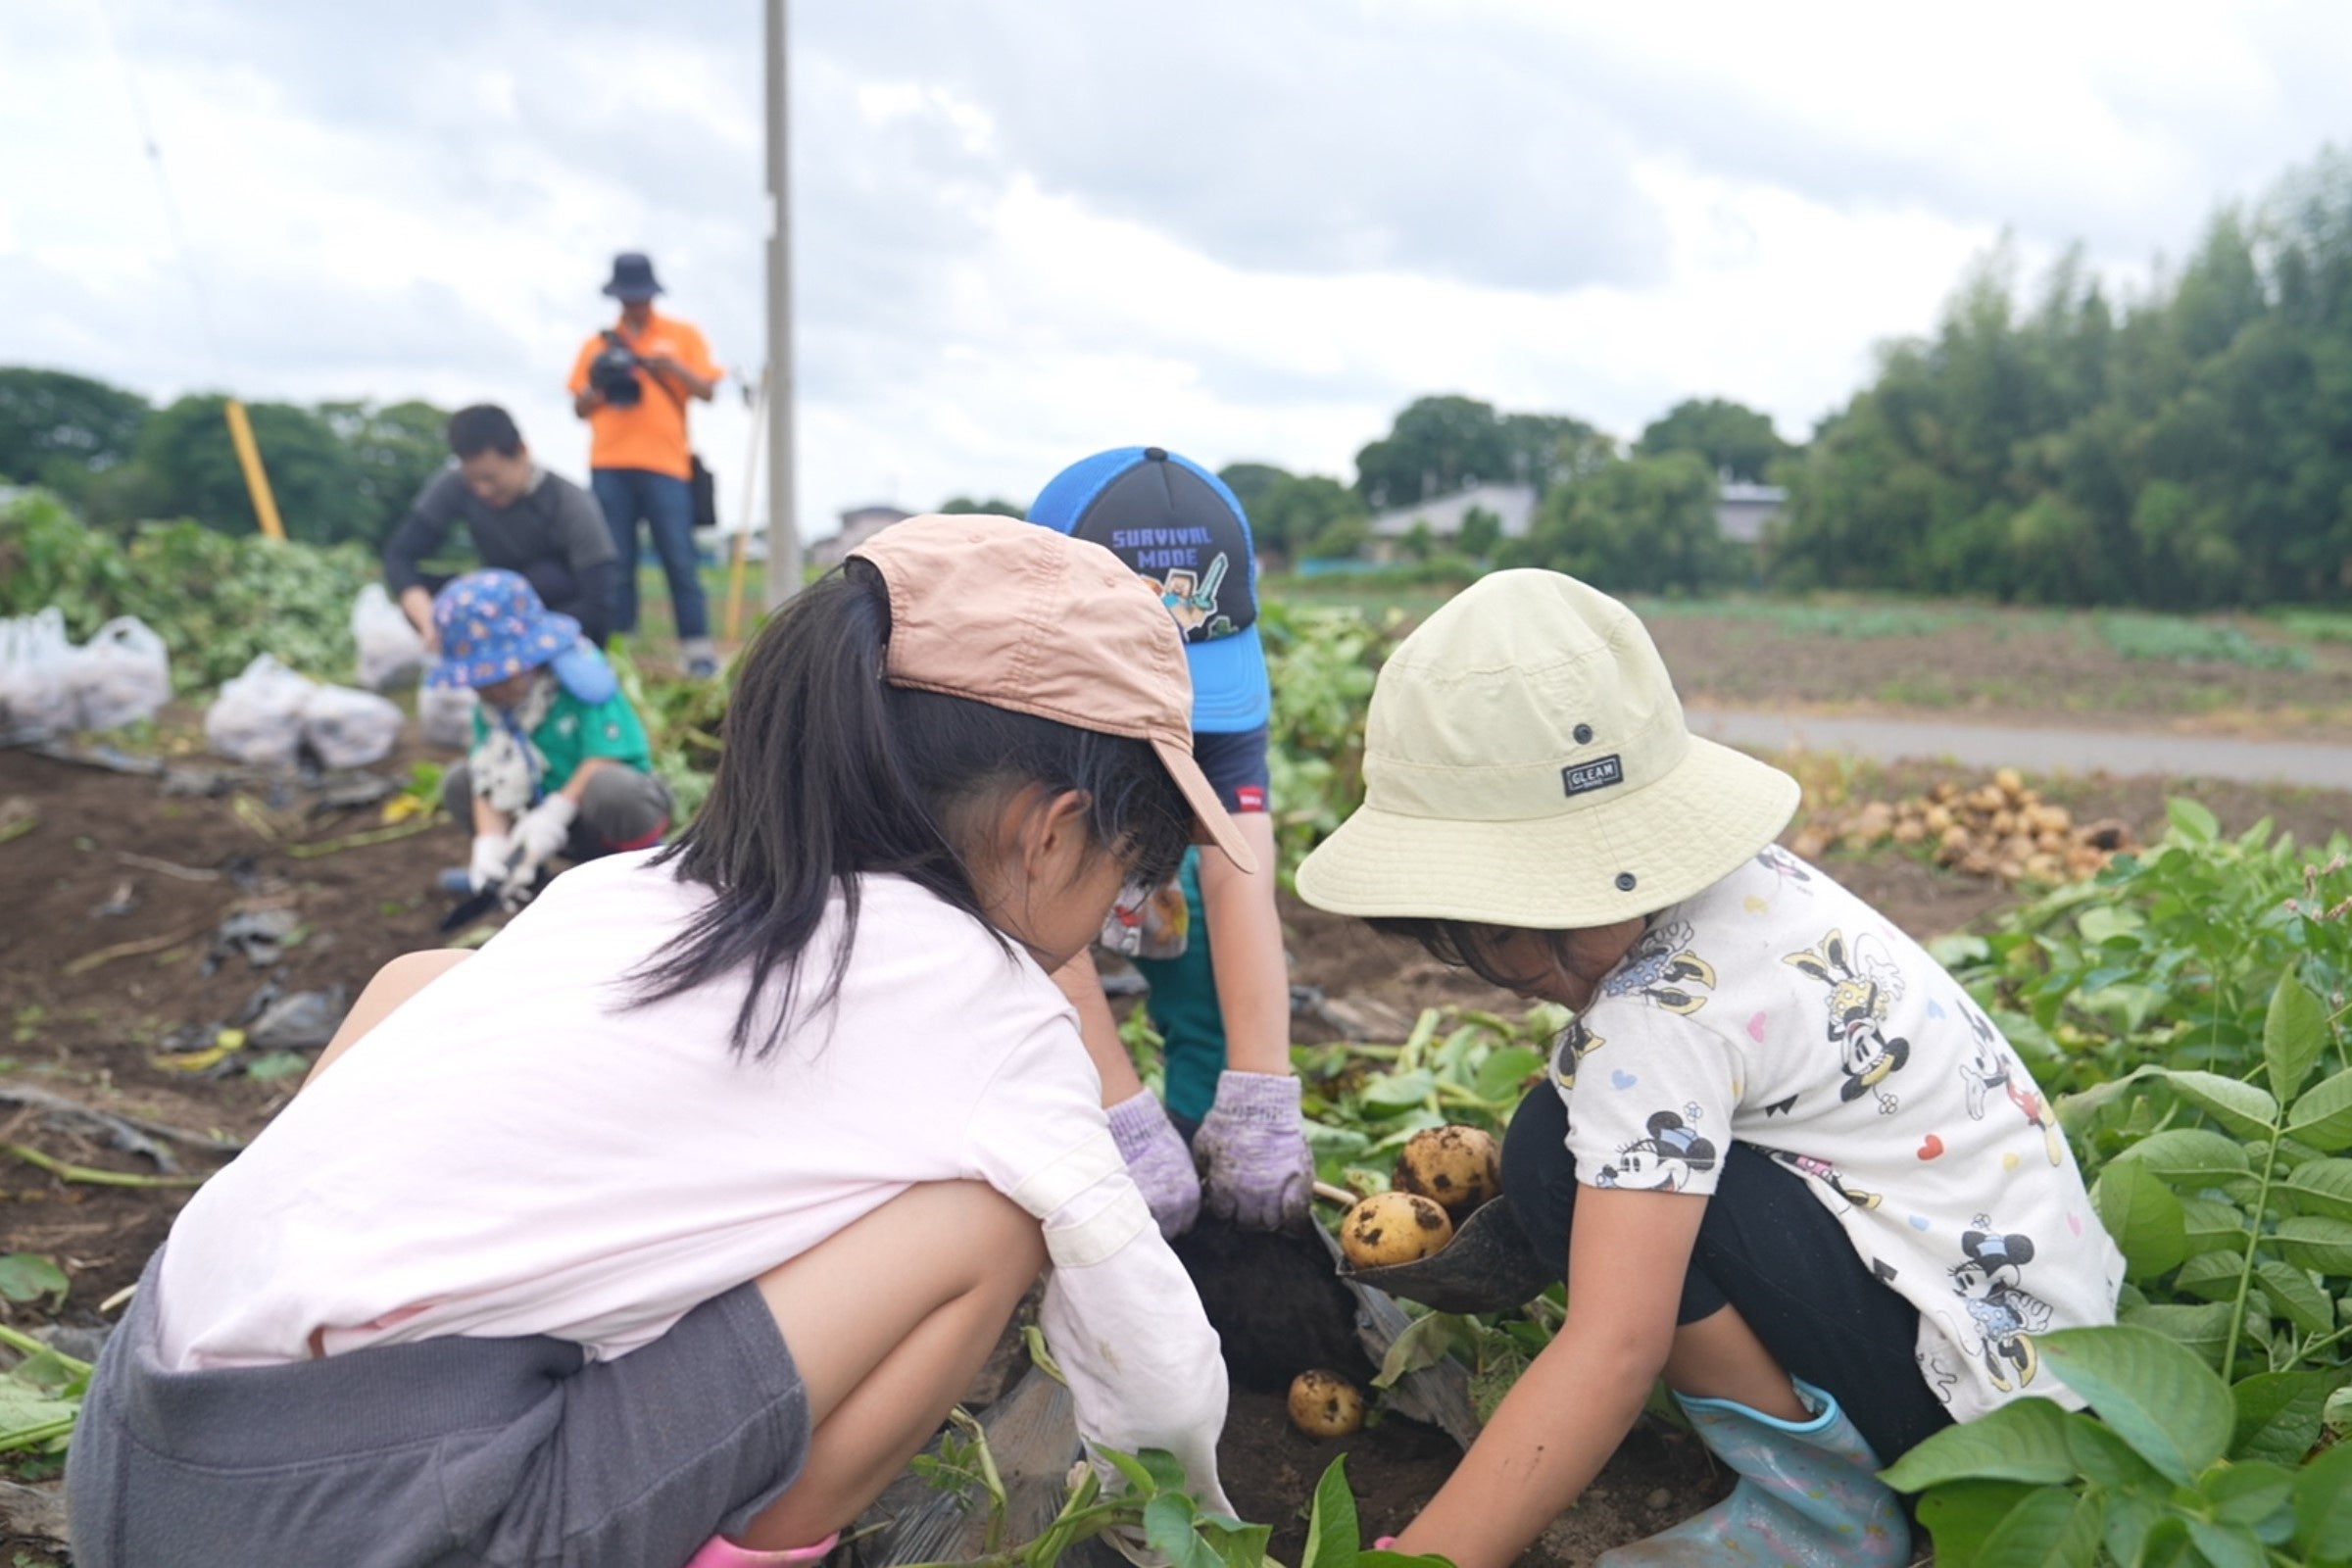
(653, 434)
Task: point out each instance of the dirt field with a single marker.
(107, 963)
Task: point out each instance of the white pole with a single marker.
(783, 531)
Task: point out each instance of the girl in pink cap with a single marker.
(668, 1226)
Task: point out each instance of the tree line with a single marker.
(2190, 448)
(339, 470)
(2186, 447)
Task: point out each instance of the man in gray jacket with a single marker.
(521, 517)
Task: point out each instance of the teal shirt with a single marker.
(575, 731)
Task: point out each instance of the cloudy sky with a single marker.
(1242, 228)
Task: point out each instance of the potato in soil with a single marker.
(1324, 1404)
(1390, 1228)
(1456, 1167)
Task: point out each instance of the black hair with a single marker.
(1466, 945)
(826, 772)
(483, 427)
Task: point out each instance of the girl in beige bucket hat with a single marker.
(1770, 1164)
(666, 1227)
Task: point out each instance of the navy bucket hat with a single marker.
(632, 277)
(1179, 529)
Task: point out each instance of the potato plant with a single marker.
(1151, 1508)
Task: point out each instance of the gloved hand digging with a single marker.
(540, 836)
(488, 867)
(1252, 1149)
(1157, 1160)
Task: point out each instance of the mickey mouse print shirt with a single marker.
(1778, 1010)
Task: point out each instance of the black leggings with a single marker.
(1770, 1249)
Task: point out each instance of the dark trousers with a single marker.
(629, 495)
(1768, 1248)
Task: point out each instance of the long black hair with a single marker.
(827, 772)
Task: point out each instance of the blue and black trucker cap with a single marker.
(1181, 530)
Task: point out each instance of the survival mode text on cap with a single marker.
(1185, 534)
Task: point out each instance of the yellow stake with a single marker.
(257, 477)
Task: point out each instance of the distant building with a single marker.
(1513, 504)
(857, 525)
(1742, 508)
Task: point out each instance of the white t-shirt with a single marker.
(516, 1152)
(1778, 1009)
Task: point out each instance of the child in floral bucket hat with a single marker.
(560, 763)
(1771, 1164)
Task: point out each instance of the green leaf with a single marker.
(2192, 821)
(2252, 1492)
(1165, 1468)
(1398, 1091)
(2227, 1546)
(2211, 1276)
(1506, 1069)
(2201, 1330)
(28, 1276)
(2322, 1118)
(2317, 1240)
(1332, 1540)
(1140, 1483)
(1168, 1530)
(2208, 1223)
(2321, 1186)
(1959, 1514)
(2051, 1529)
(29, 1417)
(2188, 1156)
(2101, 1456)
(2294, 1295)
(1238, 1546)
(2324, 1504)
(2243, 1107)
(2024, 1440)
(2278, 1414)
(277, 1065)
(1425, 1341)
(2143, 1216)
(2293, 1032)
(2155, 1393)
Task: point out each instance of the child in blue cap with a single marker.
(1226, 1023)
(560, 763)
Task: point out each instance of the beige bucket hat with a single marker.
(1526, 764)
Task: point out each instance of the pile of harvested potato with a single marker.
(1442, 1175)
(1999, 829)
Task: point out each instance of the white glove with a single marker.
(541, 834)
(488, 868)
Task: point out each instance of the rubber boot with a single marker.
(1808, 1497)
(720, 1552)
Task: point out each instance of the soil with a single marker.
(106, 941)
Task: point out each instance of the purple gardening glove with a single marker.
(1252, 1149)
(1157, 1161)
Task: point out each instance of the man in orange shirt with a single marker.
(631, 383)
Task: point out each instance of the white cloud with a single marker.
(1024, 232)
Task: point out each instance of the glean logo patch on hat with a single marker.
(1598, 775)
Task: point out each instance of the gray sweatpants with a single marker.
(438, 1453)
(622, 808)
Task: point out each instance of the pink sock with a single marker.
(720, 1552)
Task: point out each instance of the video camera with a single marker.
(614, 374)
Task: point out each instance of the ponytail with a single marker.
(827, 773)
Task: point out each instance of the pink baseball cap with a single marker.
(1021, 618)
